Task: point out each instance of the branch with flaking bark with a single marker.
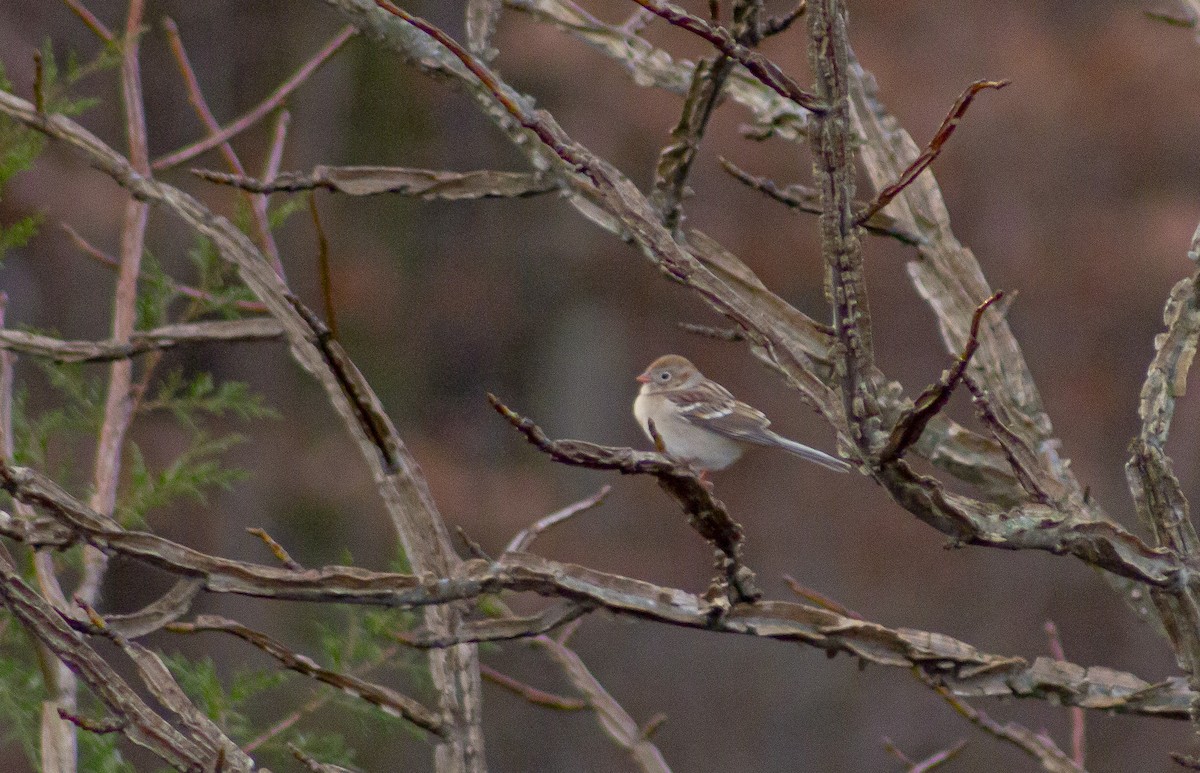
(833, 168)
(141, 342)
(967, 671)
(1156, 490)
(385, 699)
(427, 184)
(141, 724)
(706, 514)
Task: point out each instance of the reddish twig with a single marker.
(1078, 728)
(763, 69)
(777, 24)
(90, 21)
(258, 204)
(39, 85)
(930, 402)
(104, 259)
(323, 266)
(820, 599)
(932, 150)
(259, 111)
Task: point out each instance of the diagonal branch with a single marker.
(387, 700)
(931, 401)
(259, 111)
(727, 43)
(931, 151)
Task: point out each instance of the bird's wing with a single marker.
(721, 412)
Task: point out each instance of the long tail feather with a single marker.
(811, 454)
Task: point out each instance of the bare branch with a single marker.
(276, 549)
(499, 629)
(428, 184)
(158, 339)
(612, 716)
(833, 167)
(805, 199)
(525, 538)
(1041, 748)
(90, 21)
(931, 152)
(259, 111)
(726, 42)
(706, 514)
(1078, 722)
(532, 694)
(387, 700)
(400, 484)
(143, 727)
(934, 398)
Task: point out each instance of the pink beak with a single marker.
(644, 378)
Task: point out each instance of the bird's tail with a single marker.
(811, 454)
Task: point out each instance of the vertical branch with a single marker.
(1156, 490)
(57, 745)
(118, 405)
(833, 168)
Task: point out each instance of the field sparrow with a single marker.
(702, 424)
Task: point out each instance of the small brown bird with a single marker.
(702, 423)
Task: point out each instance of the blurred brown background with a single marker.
(1076, 186)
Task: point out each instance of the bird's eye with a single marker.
(664, 375)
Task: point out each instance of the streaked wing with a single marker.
(721, 412)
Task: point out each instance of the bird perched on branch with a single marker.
(702, 423)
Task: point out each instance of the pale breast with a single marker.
(685, 441)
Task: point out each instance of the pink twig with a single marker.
(1078, 728)
(257, 113)
(90, 20)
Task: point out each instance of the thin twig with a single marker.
(931, 151)
(529, 692)
(109, 261)
(259, 111)
(1078, 725)
(931, 401)
(258, 204)
(387, 700)
(90, 21)
(276, 549)
(766, 71)
(805, 199)
(323, 267)
(526, 536)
